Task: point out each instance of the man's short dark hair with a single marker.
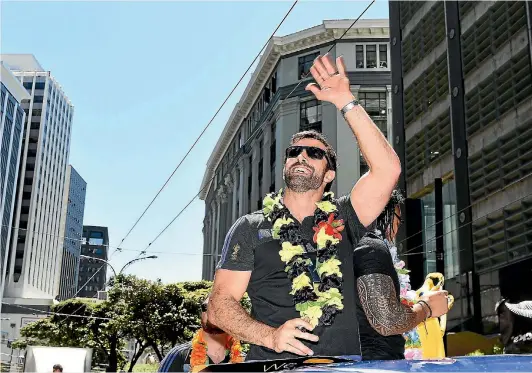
(329, 150)
(58, 367)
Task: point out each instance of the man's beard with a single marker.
(211, 329)
(301, 183)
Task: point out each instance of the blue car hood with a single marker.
(493, 363)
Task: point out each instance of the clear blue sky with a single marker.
(145, 78)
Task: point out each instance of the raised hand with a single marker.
(332, 82)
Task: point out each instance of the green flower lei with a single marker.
(317, 303)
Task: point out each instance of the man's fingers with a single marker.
(302, 323)
(331, 70)
(294, 350)
(309, 337)
(321, 68)
(312, 87)
(299, 346)
(340, 64)
(315, 74)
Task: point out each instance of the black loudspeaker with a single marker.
(413, 244)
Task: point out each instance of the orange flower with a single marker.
(198, 355)
(332, 228)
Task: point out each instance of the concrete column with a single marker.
(255, 157)
(243, 165)
(228, 213)
(389, 122)
(234, 213)
(266, 169)
(212, 246)
(287, 124)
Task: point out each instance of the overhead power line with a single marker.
(208, 124)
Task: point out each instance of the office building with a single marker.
(462, 114)
(71, 230)
(247, 160)
(12, 116)
(35, 249)
(92, 266)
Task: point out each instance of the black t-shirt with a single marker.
(371, 256)
(249, 246)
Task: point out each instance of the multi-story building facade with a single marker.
(462, 114)
(95, 245)
(35, 246)
(247, 161)
(12, 116)
(71, 230)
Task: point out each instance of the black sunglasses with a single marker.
(204, 307)
(312, 151)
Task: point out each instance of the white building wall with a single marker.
(44, 161)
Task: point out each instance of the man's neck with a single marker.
(302, 205)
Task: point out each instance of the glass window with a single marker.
(305, 63)
(371, 56)
(383, 55)
(360, 56)
(310, 116)
(450, 231)
(376, 106)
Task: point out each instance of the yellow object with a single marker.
(432, 331)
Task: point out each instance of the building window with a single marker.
(371, 56)
(376, 106)
(310, 116)
(383, 55)
(305, 63)
(450, 233)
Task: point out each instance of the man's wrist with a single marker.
(344, 100)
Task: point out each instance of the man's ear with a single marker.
(329, 176)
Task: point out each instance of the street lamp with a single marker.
(136, 260)
(124, 267)
(100, 260)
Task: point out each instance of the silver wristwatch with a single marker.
(349, 106)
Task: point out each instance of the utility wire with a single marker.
(208, 124)
(206, 184)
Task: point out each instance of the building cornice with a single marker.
(277, 47)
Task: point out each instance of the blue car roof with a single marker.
(492, 363)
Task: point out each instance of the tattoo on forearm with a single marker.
(234, 319)
(385, 313)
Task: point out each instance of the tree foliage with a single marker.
(156, 316)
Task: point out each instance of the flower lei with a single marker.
(198, 355)
(408, 297)
(317, 303)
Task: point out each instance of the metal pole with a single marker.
(136, 260)
(100, 260)
(440, 257)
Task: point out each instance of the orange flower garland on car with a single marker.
(198, 355)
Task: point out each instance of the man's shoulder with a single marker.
(253, 220)
(374, 240)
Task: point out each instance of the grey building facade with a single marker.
(95, 244)
(36, 247)
(462, 120)
(12, 116)
(71, 230)
(247, 161)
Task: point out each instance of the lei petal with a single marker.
(300, 282)
(288, 251)
(330, 267)
(278, 224)
(326, 206)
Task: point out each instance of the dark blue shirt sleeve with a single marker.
(237, 252)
